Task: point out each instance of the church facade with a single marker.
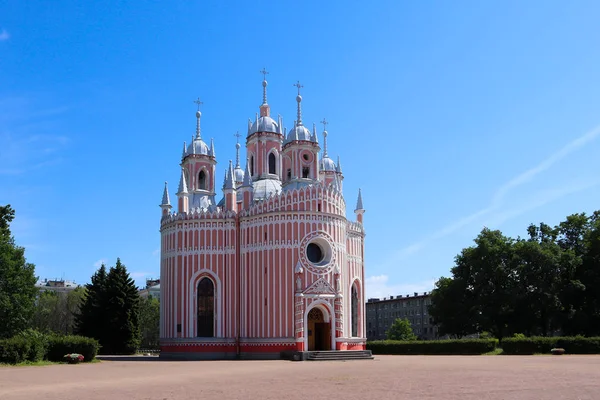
(273, 266)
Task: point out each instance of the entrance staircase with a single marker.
(346, 355)
(339, 355)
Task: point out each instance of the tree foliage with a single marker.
(56, 311)
(400, 330)
(149, 322)
(17, 280)
(544, 284)
(110, 312)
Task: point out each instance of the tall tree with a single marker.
(452, 307)
(17, 280)
(56, 311)
(122, 312)
(149, 322)
(91, 319)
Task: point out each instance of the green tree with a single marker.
(149, 322)
(56, 311)
(122, 312)
(17, 280)
(91, 319)
(453, 308)
(400, 330)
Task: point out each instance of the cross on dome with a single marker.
(325, 123)
(198, 115)
(299, 100)
(264, 84)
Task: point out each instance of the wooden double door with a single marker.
(319, 332)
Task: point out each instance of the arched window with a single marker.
(202, 180)
(206, 308)
(354, 311)
(251, 165)
(272, 164)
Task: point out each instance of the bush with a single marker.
(58, 346)
(14, 350)
(537, 344)
(442, 347)
(38, 344)
(29, 345)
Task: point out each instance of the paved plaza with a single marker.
(386, 377)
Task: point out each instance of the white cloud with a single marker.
(156, 252)
(503, 191)
(139, 274)
(4, 35)
(99, 263)
(379, 286)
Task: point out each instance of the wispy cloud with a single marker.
(99, 263)
(4, 35)
(156, 252)
(139, 274)
(379, 286)
(503, 191)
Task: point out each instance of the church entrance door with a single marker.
(319, 331)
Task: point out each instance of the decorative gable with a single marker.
(321, 286)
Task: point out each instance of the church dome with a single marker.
(238, 174)
(264, 124)
(264, 188)
(299, 132)
(198, 147)
(327, 164)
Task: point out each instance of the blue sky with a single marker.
(450, 116)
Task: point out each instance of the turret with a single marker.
(300, 151)
(165, 204)
(246, 188)
(359, 210)
(229, 190)
(182, 194)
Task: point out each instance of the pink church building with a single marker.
(273, 266)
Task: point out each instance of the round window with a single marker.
(305, 156)
(314, 253)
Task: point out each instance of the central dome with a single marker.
(327, 164)
(264, 124)
(265, 188)
(299, 132)
(197, 147)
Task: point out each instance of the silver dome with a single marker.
(266, 187)
(300, 130)
(238, 174)
(327, 164)
(265, 124)
(197, 147)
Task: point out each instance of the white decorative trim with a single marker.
(320, 286)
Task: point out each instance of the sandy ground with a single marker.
(386, 377)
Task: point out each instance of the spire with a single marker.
(359, 204)
(184, 150)
(299, 100)
(165, 200)
(182, 183)
(193, 146)
(211, 151)
(338, 167)
(324, 122)
(249, 126)
(247, 178)
(229, 180)
(237, 149)
(198, 115)
(264, 85)
(314, 134)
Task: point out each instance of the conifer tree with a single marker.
(122, 312)
(91, 319)
(17, 280)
